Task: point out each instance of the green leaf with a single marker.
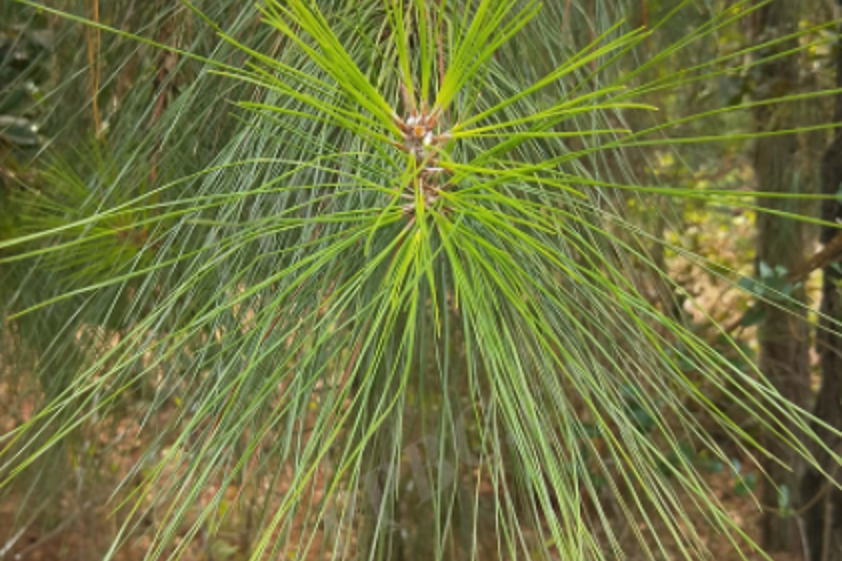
(754, 315)
(745, 485)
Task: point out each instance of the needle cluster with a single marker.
(421, 140)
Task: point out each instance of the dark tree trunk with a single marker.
(821, 502)
(783, 334)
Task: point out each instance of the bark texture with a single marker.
(783, 334)
(821, 502)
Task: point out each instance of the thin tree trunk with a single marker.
(821, 502)
(783, 333)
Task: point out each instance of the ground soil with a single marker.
(85, 534)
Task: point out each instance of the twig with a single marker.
(93, 61)
(10, 543)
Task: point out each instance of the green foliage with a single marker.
(21, 53)
(413, 231)
(19, 74)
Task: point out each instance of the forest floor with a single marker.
(85, 533)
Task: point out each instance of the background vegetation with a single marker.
(398, 280)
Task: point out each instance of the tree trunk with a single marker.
(783, 333)
(822, 503)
